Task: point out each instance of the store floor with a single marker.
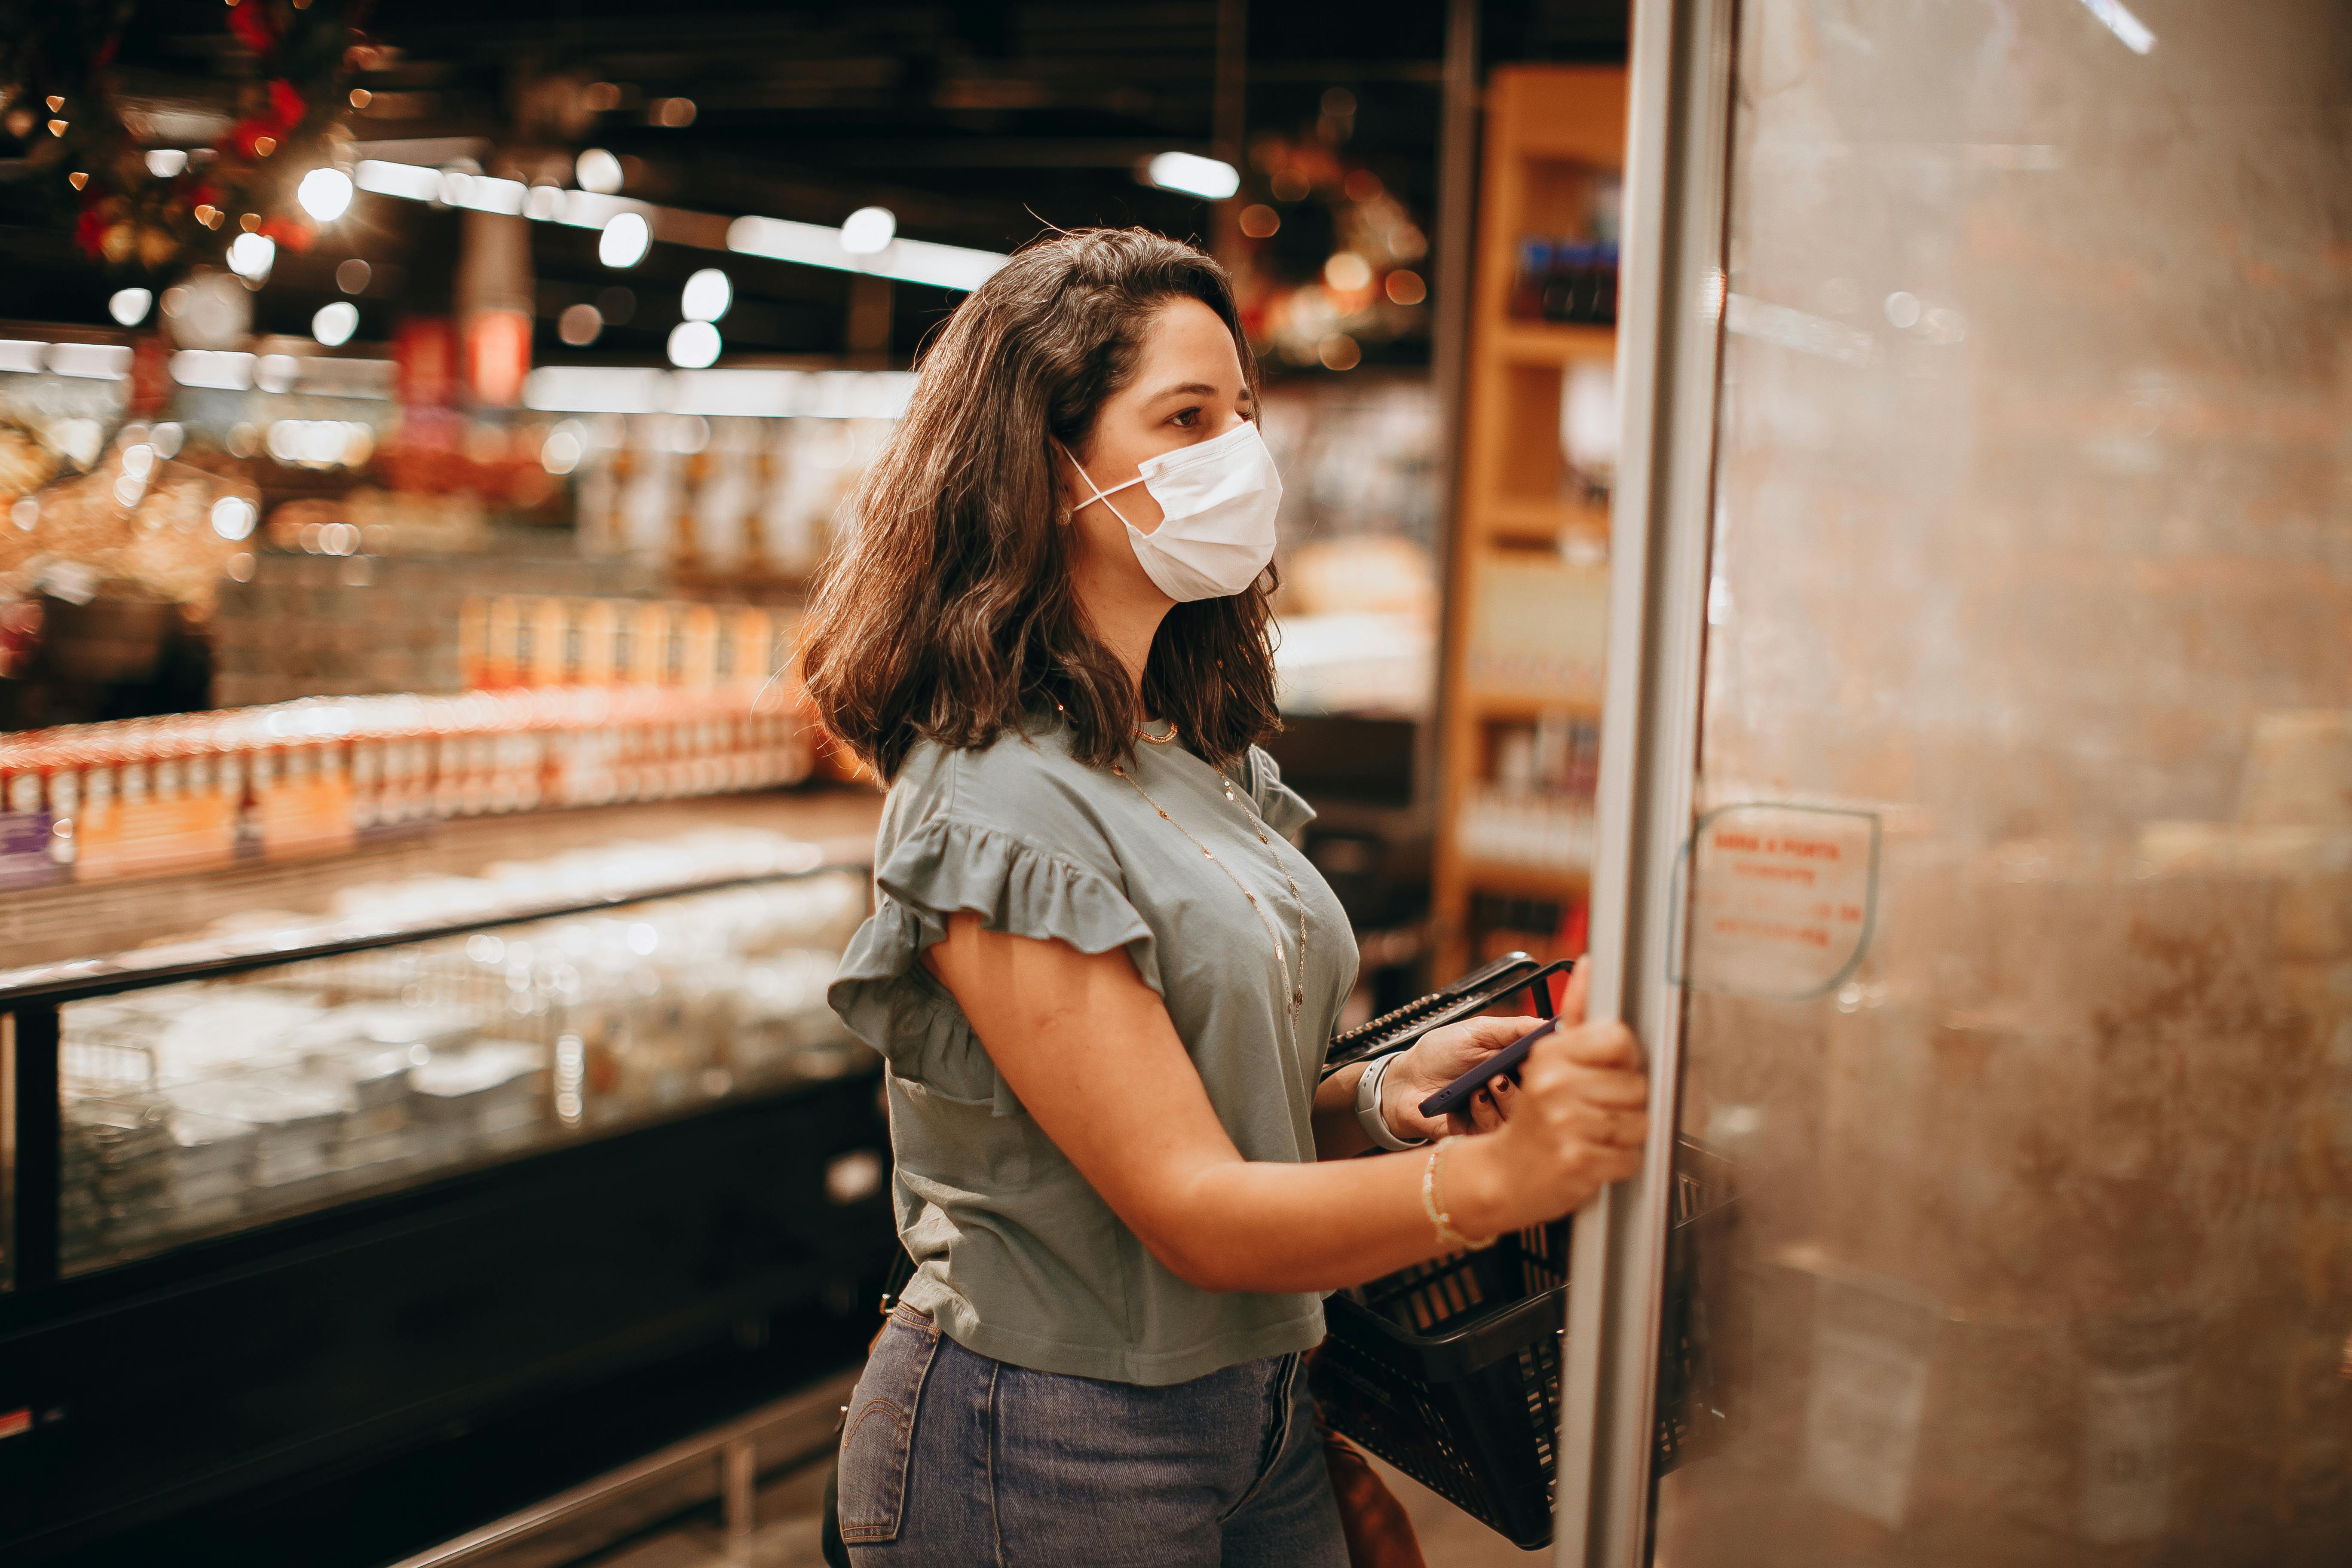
(787, 1535)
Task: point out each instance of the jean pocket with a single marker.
(880, 1431)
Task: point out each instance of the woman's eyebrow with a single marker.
(1190, 389)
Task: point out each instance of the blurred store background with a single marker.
(418, 424)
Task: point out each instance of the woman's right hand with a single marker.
(1575, 1122)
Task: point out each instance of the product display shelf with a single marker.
(1522, 880)
(75, 919)
(1554, 342)
(1528, 577)
(454, 1143)
(1540, 522)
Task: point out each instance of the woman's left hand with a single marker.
(1436, 1059)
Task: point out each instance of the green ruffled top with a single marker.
(1017, 1257)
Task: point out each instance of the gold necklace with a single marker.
(1294, 991)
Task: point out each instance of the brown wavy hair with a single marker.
(946, 613)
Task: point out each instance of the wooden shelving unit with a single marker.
(1546, 128)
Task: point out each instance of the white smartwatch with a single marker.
(1368, 1115)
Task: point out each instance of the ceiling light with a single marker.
(128, 307)
(1348, 273)
(564, 447)
(708, 295)
(868, 231)
(251, 257)
(624, 242)
(234, 517)
(96, 361)
(598, 171)
(1340, 351)
(411, 182)
(325, 193)
(955, 267)
(693, 344)
(579, 325)
(335, 323)
(1208, 178)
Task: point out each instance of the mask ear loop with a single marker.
(1100, 494)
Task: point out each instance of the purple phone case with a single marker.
(1504, 1063)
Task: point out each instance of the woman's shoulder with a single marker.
(1024, 784)
(1285, 809)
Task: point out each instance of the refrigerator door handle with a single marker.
(1669, 343)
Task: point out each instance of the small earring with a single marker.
(1063, 515)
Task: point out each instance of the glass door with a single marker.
(1988, 899)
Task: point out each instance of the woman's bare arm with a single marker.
(1091, 1053)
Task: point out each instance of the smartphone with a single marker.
(1505, 1063)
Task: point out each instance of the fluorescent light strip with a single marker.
(219, 370)
(90, 362)
(409, 182)
(483, 194)
(779, 239)
(2119, 21)
(727, 393)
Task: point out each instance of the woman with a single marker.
(1102, 977)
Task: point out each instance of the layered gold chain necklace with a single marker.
(1294, 987)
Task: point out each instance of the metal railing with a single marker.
(722, 1463)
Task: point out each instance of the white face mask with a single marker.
(1217, 502)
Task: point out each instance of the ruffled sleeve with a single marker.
(942, 868)
(1284, 810)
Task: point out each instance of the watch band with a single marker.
(1368, 1115)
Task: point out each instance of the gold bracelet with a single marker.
(1447, 1234)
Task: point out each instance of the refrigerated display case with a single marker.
(295, 1197)
(1976, 791)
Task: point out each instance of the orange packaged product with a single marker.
(144, 817)
(301, 801)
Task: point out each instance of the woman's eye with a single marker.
(1187, 419)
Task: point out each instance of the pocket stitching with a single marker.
(902, 1430)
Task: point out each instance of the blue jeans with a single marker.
(951, 1459)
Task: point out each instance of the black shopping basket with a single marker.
(1450, 1369)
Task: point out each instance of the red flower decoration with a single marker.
(286, 105)
(90, 231)
(251, 26)
(246, 132)
(293, 234)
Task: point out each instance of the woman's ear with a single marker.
(1066, 494)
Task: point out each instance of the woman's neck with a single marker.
(1123, 609)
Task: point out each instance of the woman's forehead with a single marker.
(1187, 346)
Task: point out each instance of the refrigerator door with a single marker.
(1988, 906)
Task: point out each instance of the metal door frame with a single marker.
(1670, 315)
